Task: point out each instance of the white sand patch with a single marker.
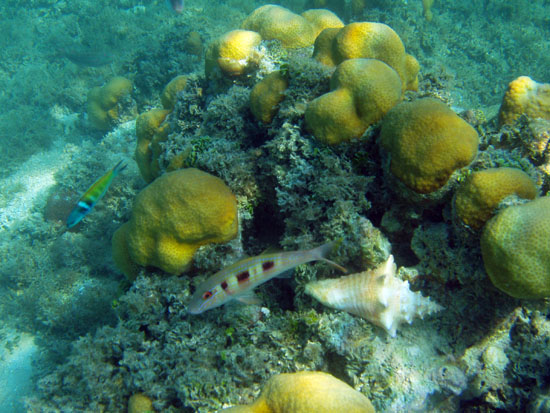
(20, 191)
(15, 374)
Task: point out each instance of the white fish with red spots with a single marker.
(237, 281)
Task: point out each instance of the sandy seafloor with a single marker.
(76, 336)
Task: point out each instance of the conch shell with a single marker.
(376, 295)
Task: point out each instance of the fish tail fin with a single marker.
(319, 254)
(119, 167)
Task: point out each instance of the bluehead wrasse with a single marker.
(176, 5)
(92, 196)
(237, 281)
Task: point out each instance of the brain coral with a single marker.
(234, 53)
(363, 90)
(525, 96)
(367, 40)
(479, 195)
(104, 102)
(427, 142)
(515, 246)
(292, 30)
(172, 217)
(266, 95)
(307, 392)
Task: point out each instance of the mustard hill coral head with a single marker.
(150, 126)
(172, 217)
(103, 102)
(524, 96)
(370, 41)
(170, 92)
(307, 392)
(266, 96)
(363, 90)
(292, 30)
(235, 53)
(482, 191)
(427, 143)
(515, 246)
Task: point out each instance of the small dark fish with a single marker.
(87, 57)
(176, 5)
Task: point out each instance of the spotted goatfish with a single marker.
(92, 196)
(237, 281)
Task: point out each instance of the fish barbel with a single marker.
(92, 196)
(237, 281)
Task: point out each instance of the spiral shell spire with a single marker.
(376, 295)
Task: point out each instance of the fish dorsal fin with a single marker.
(271, 250)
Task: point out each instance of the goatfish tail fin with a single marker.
(319, 254)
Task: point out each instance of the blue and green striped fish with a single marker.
(237, 281)
(92, 196)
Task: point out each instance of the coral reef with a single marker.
(274, 22)
(514, 247)
(363, 90)
(110, 104)
(234, 53)
(480, 193)
(524, 96)
(369, 41)
(304, 392)
(173, 217)
(427, 142)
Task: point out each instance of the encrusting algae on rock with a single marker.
(376, 295)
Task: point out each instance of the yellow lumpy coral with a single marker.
(266, 95)
(140, 403)
(170, 92)
(103, 102)
(515, 246)
(150, 127)
(363, 90)
(234, 53)
(524, 96)
(427, 142)
(479, 195)
(371, 41)
(172, 217)
(292, 30)
(307, 392)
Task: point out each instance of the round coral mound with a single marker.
(479, 195)
(427, 142)
(363, 90)
(524, 96)
(515, 245)
(172, 217)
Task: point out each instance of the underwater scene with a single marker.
(289, 207)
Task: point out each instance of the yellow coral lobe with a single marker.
(515, 245)
(234, 53)
(266, 96)
(306, 392)
(103, 101)
(524, 96)
(175, 215)
(278, 23)
(371, 41)
(479, 195)
(427, 143)
(169, 95)
(149, 125)
(140, 403)
(427, 8)
(363, 91)
(321, 19)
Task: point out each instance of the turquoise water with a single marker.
(78, 335)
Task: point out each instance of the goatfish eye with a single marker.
(207, 295)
